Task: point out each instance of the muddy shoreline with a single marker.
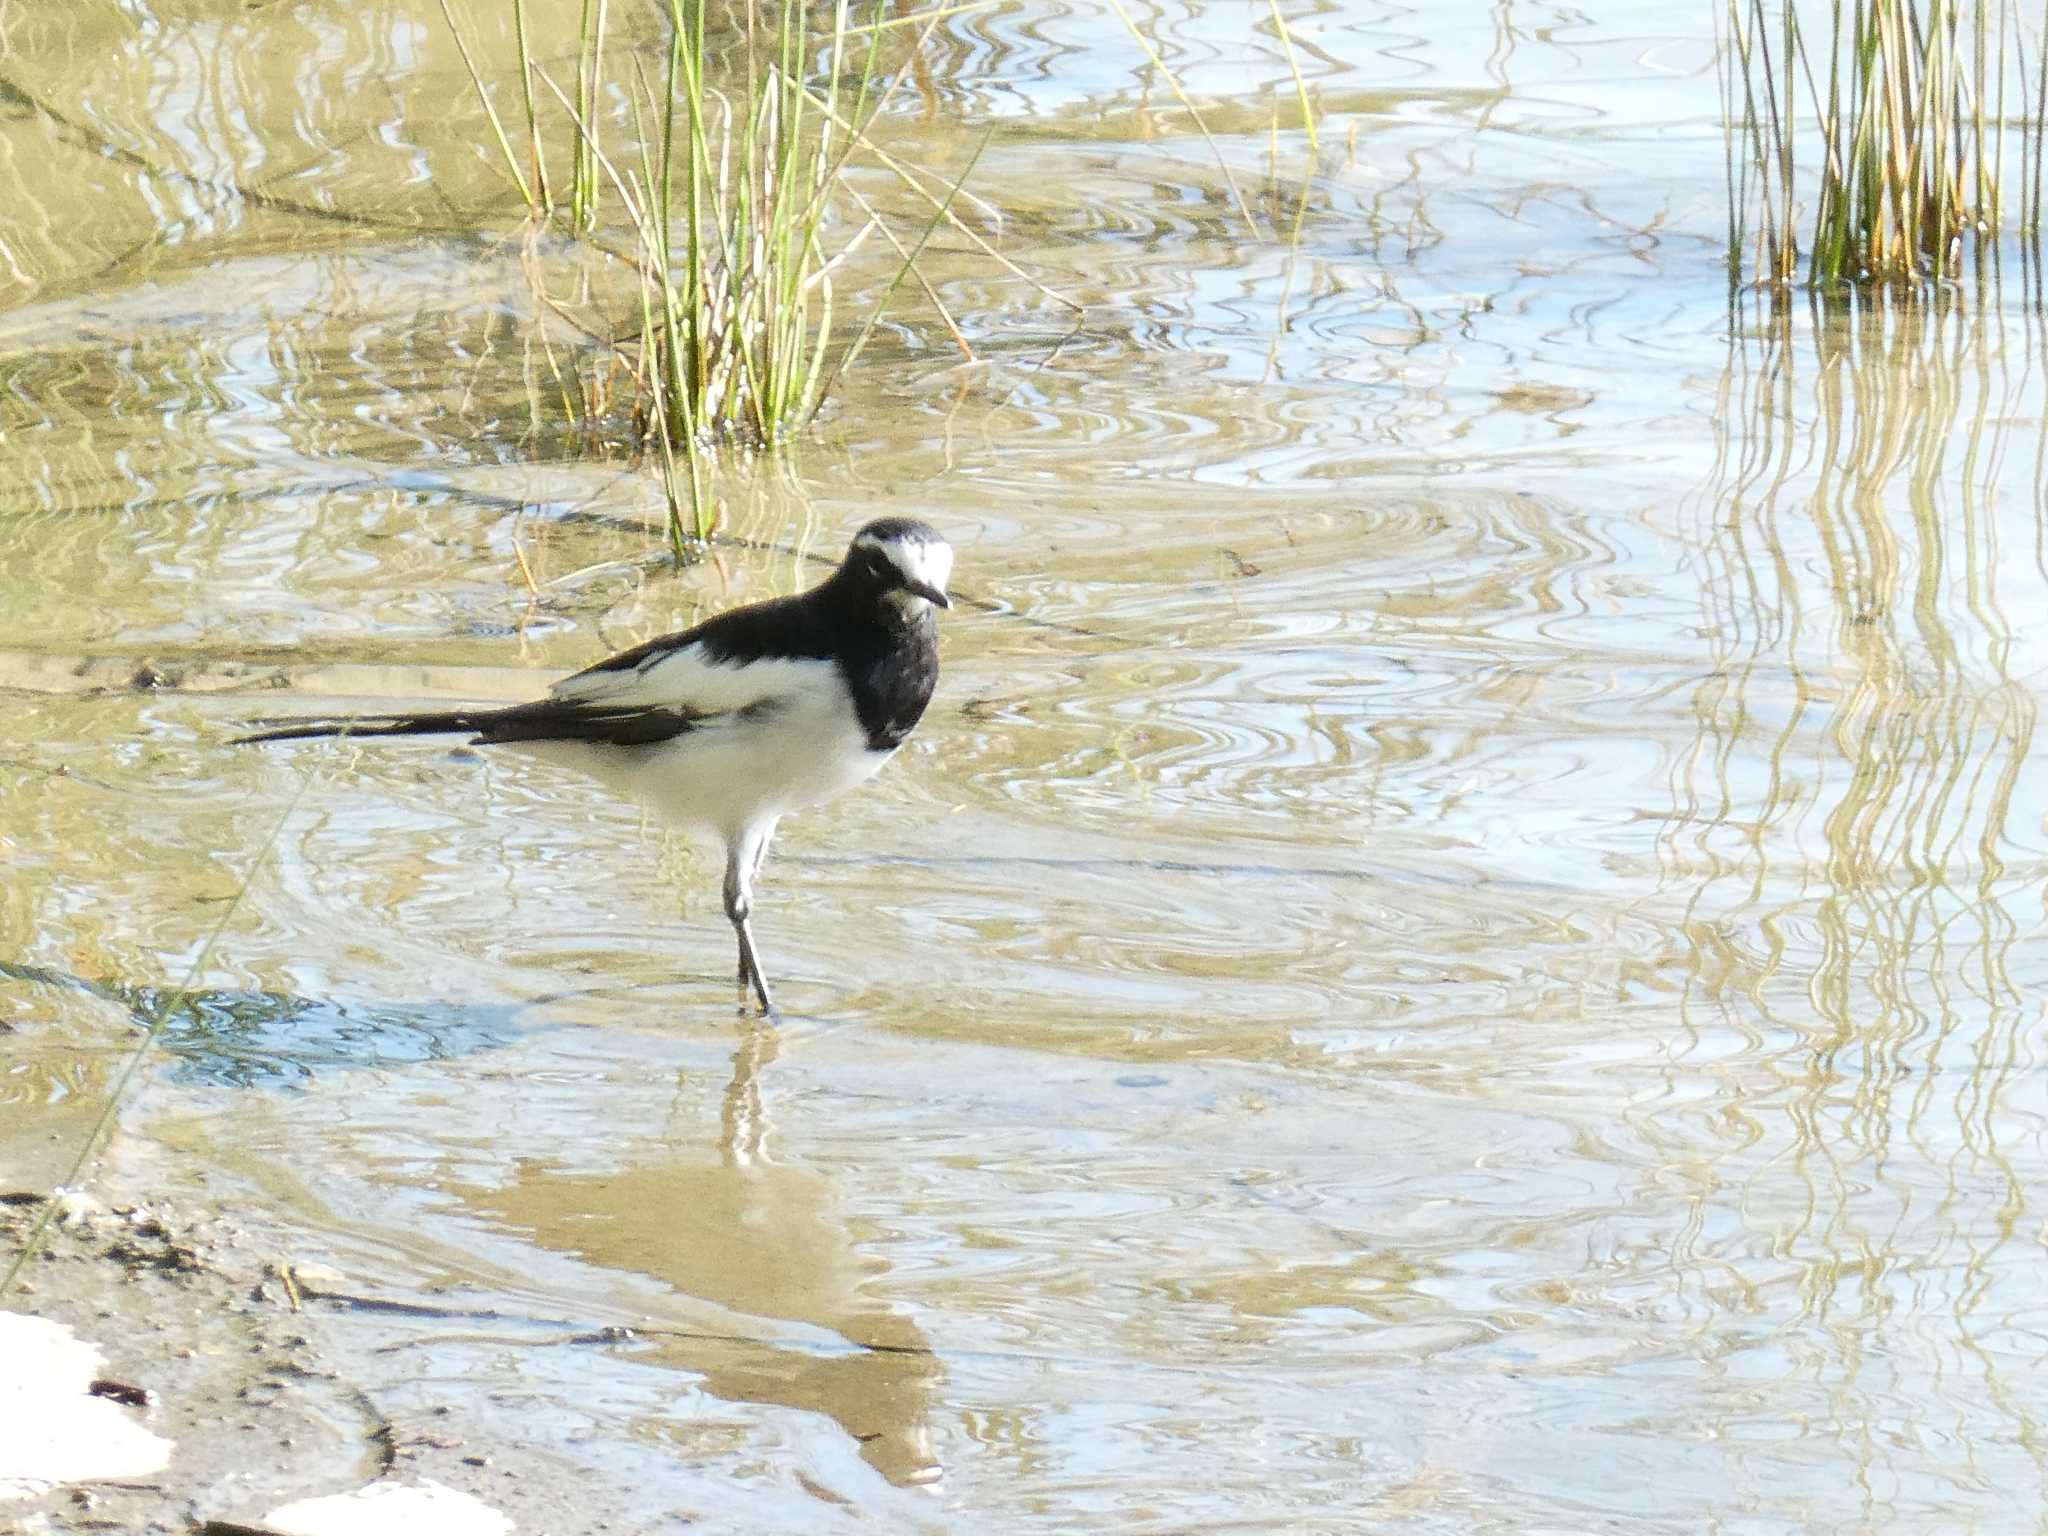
(250, 1364)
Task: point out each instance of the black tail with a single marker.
(543, 720)
(471, 722)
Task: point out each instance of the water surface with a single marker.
(1457, 952)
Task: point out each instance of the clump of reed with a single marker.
(729, 188)
(1890, 143)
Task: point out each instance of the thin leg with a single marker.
(761, 847)
(742, 858)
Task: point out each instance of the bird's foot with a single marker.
(751, 981)
(750, 968)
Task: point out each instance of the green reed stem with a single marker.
(537, 159)
(1308, 111)
(735, 201)
(583, 189)
(476, 79)
(1912, 131)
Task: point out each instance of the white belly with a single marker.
(735, 770)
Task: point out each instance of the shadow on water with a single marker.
(250, 1039)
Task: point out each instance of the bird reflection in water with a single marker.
(767, 1243)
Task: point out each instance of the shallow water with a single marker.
(1457, 952)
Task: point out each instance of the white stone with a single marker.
(51, 1429)
(425, 1508)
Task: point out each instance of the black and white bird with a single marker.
(727, 727)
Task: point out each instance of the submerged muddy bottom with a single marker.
(1456, 951)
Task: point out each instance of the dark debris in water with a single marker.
(134, 1237)
(127, 1394)
(165, 1253)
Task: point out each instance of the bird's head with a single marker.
(904, 562)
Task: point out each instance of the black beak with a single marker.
(928, 592)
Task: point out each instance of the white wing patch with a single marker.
(687, 680)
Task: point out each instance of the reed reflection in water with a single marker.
(1859, 834)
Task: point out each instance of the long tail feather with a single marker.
(542, 720)
(443, 723)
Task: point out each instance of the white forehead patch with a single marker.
(930, 562)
